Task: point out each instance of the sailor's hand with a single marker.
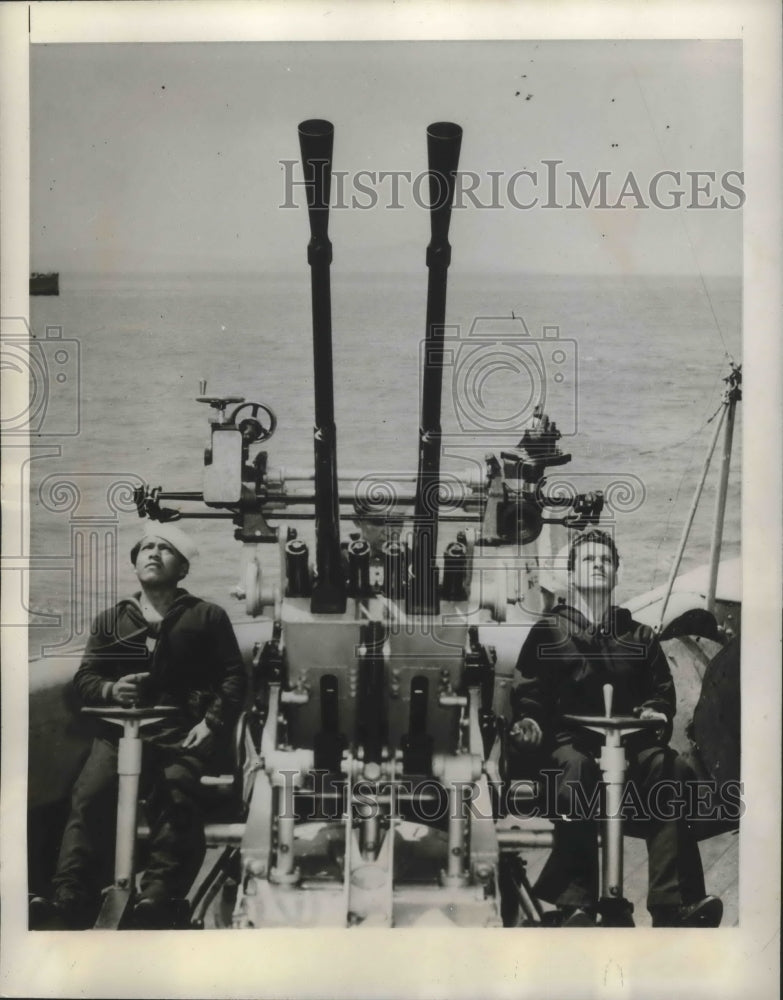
(526, 732)
(127, 690)
(650, 713)
(197, 735)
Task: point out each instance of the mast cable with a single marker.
(664, 535)
(691, 514)
(682, 221)
(723, 405)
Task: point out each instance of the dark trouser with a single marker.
(570, 875)
(170, 780)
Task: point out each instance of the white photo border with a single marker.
(455, 963)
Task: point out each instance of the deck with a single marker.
(720, 859)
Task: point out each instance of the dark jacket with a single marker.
(566, 660)
(196, 664)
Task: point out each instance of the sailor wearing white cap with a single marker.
(161, 646)
(168, 532)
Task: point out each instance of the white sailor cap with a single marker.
(170, 533)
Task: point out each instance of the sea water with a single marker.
(633, 380)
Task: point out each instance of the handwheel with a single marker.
(253, 429)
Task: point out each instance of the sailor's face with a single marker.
(594, 567)
(159, 563)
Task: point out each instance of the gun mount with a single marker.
(368, 779)
(369, 753)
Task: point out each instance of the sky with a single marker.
(167, 157)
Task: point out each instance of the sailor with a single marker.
(563, 666)
(161, 646)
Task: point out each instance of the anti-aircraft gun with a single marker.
(369, 753)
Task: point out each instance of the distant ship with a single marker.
(45, 283)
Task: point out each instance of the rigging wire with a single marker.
(685, 440)
(664, 535)
(726, 351)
